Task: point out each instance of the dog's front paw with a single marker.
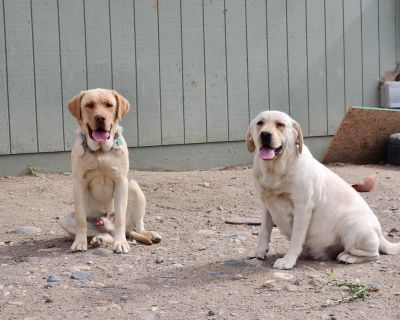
(284, 263)
(259, 253)
(80, 244)
(121, 246)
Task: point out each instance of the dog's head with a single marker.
(272, 133)
(98, 112)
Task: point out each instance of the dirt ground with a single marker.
(198, 271)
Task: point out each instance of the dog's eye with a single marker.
(280, 125)
(90, 105)
(109, 105)
(260, 123)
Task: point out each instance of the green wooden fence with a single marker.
(194, 71)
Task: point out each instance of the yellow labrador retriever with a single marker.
(314, 208)
(100, 168)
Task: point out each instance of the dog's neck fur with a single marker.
(88, 144)
(275, 170)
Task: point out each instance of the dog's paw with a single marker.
(121, 246)
(153, 236)
(345, 257)
(284, 263)
(260, 254)
(80, 244)
(101, 240)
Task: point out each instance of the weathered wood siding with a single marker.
(195, 71)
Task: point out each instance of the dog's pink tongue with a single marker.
(267, 153)
(100, 136)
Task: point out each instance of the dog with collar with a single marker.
(100, 167)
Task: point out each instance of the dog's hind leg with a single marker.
(363, 249)
(135, 214)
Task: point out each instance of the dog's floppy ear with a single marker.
(122, 105)
(74, 105)
(299, 140)
(249, 140)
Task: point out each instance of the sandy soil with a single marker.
(198, 271)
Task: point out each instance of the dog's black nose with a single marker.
(99, 119)
(265, 138)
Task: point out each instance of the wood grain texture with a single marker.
(257, 56)
(297, 62)
(171, 72)
(352, 53)
(47, 76)
(193, 72)
(215, 66)
(98, 44)
(277, 55)
(148, 76)
(123, 62)
(236, 60)
(334, 63)
(73, 60)
(371, 143)
(4, 116)
(387, 35)
(316, 55)
(21, 79)
(370, 52)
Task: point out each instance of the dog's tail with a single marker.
(387, 247)
(140, 238)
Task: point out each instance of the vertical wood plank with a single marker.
(236, 58)
(171, 72)
(352, 53)
(215, 66)
(148, 76)
(257, 56)
(297, 60)
(277, 55)
(47, 76)
(98, 46)
(398, 31)
(387, 35)
(193, 72)
(73, 60)
(370, 52)
(4, 116)
(21, 82)
(334, 63)
(123, 62)
(316, 59)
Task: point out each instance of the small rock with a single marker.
(397, 293)
(146, 316)
(205, 184)
(47, 299)
(220, 208)
(78, 275)
(237, 277)
(283, 276)
(159, 260)
(211, 313)
(53, 279)
(268, 284)
(124, 297)
(316, 282)
(102, 252)
(178, 265)
(28, 230)
(291, 288)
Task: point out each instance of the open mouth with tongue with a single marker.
(99, 135)
(266, 153)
